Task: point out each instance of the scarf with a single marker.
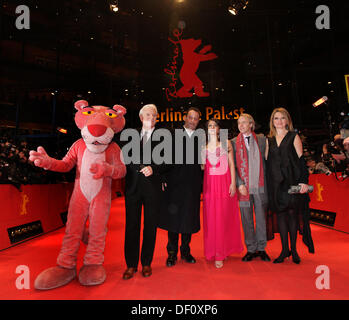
(252, 176)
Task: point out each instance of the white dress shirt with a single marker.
(189, 131)
(246, 141)
(148, 132)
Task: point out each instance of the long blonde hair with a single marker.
(289, 125)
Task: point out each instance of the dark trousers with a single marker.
(134, 205)
(287, 225)
(172, 245)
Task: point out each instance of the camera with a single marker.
(333, 148)
(323, 168)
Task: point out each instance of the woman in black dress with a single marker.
(286, 167)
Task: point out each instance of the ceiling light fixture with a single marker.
(114, 6)
(237, 6)
(320, 101)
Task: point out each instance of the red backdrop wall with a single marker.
(44, 202)
(331, 195)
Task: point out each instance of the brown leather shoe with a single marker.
(129, 273)
(146, 271)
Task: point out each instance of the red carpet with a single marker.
(236, 280)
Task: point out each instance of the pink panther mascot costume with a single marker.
(98, 161)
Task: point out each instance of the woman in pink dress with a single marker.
(222, 233)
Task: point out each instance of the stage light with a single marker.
(62, 130)
(114, 6)
(232, 10)
(237, 6)
(320, 101)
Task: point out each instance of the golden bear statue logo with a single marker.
(319, 189)
(25, 200)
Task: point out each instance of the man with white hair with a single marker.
(142, 189)
(249, 150)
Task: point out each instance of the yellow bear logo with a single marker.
(319, 189)
(25, 200)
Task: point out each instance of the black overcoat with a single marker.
(180, 209)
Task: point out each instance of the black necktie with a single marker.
(248, 140)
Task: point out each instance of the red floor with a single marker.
(236, 280)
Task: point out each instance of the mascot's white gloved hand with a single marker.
(40, 158)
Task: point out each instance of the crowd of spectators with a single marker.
(16, 169)
(333, 158)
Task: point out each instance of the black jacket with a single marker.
(180, 210)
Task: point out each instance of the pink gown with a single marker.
(222, 232)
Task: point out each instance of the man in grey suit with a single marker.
(249, 151)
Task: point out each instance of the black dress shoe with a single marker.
(188, 258)
(263, 255)
(248, 256)
(295, 257)
(171, 260)
(282, 256)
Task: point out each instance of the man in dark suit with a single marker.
(249, 151)
(180, 211)
(142, 188)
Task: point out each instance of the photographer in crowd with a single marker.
(334, 158)
(338, 153)
(314, 162)
(345, 160)
(326, 158)
(346, 148)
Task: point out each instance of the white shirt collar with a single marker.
(247, 144)
(189, 131)
(149, 132)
